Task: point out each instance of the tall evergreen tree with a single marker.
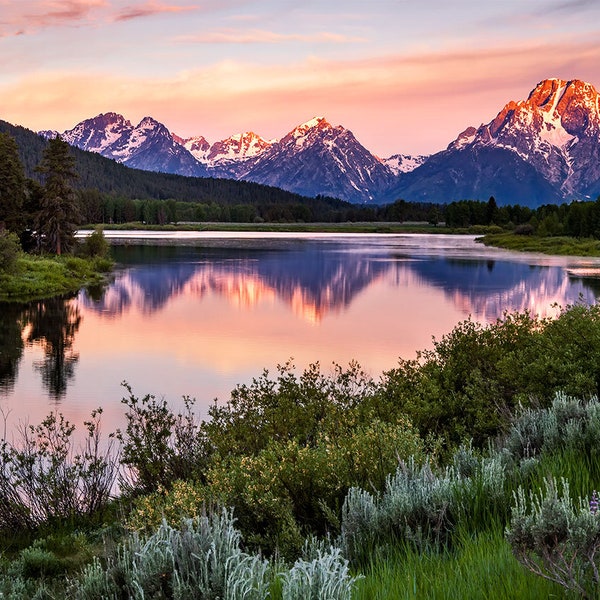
(59, 208)
(12, 185)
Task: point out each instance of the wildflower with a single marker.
(594, 502)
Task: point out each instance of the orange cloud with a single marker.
(393, 103)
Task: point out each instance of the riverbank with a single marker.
(558, 246)
(347, 227)
(331, 468)
(36, 277)
(492, 236)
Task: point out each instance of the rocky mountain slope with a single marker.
(315, 158)
(540, 150)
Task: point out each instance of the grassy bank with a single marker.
(347, 227)
(481, 566)
(36, 277)
(560, 245)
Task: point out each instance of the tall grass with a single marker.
(479, 567)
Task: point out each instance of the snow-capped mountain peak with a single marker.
(463, 139)
(99, 133)
(314, 123)
(316, 158)
(197, 146)
(308, 132)
(543, 148)
(239, 146)
(548, 130)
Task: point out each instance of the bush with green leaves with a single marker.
(557, 538)
(470, 385)
(184, 499)
(288, 489)
(94, 245)
(43, 478)
(10, 249)
(159, 446)
(290, 407)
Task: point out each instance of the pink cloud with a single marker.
(20, 18)
(415, 104)
(32, 15)
(149, 9)
(259, 36)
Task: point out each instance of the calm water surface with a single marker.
(196, 319)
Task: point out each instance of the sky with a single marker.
(404, 76)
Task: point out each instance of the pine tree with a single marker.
(59, 208)
(12, 185)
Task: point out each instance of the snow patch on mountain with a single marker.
(404, 163)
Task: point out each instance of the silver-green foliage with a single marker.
(568, 423)
(325, 575)
(202, 560)
(556, 538)
(418, 504)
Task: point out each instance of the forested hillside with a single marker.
(108, 176)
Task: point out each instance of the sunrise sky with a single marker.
(405, 76)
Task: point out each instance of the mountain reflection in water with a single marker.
(315, 282)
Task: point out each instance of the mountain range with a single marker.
(545, 149)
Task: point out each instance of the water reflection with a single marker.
(310, 280)
(52, 326)
(11, 345)
(317, 280)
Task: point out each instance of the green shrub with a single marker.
(94, 245)
(287, 489)
(103, 264)
(185, 499)
(10, 249)
(473, 381)
(289, 407)
(36, 562)
(556, 539)
(159, 447)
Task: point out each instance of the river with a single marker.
(196, 313)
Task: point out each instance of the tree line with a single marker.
(579, 219)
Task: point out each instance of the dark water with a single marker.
(197, 319)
